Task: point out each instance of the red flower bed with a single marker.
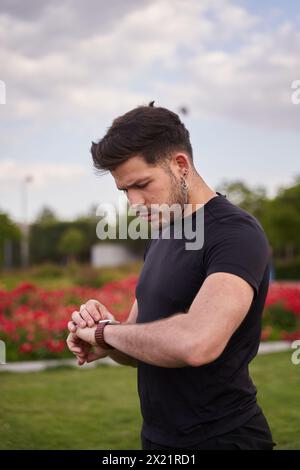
(281, 319)
(33, 321)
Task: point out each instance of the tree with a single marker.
(284, 218)
(9, 232)
(46, 216)
(252, 200)
(71, 243)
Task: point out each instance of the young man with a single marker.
(196, 321)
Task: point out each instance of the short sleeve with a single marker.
(241, 250)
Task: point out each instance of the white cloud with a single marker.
(12, 171)
(213, 56)
(71, 66)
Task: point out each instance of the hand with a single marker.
(84, 351)
(89, 314)
(87, 335)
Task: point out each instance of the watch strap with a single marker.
(99, 335)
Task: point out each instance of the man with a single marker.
(196, 321)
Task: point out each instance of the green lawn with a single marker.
(99, 408)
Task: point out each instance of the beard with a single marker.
(176, 196)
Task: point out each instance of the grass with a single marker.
(70, 409)
(278, 384)
(99, 408)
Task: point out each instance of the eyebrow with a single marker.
(134, 184)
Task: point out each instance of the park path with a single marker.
(35, 366)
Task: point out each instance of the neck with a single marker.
(199, 193)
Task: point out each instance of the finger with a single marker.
(110, 316)
(77, 318)
(95, 309)
(82, 357)
(90, 313)
(72, 327)
(87, 317)
(80, 361)
(73, 344)
(75, 349)
(80, 354)
(69, 340)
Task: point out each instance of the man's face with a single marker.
(146, 184)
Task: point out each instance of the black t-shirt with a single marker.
(185, 405)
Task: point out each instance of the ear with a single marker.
(181, 163)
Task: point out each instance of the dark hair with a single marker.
(152, 132)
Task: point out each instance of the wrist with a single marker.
(100, 339)
(107, 334)
(110, 332)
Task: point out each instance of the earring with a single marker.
(185, 187)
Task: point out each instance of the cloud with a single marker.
(65, 60)
(12, 171)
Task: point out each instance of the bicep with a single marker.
(243, 252)
(218, 309)
(133, 313)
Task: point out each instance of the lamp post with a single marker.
(25, 228)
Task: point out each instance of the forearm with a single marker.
(164, 343)
(122, 358)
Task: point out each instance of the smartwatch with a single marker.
(99, 337)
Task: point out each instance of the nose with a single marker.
(135, 199)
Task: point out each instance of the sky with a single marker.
(70, 67)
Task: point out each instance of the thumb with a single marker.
(109, 315)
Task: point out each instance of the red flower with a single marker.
(291, 336)
(26, 348)
(55, 345)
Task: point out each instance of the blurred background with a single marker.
(231, 70)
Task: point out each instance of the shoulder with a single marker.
(237, 243)
(230, 220)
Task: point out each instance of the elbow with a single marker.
(200, 355)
